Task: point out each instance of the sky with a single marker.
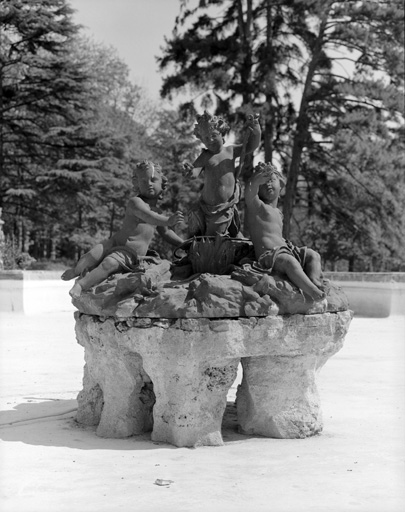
(136, 28)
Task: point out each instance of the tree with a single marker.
(70, 119)
(291, 56)
(94, 173)
(348, 135)
(38, 87)
(329, 98)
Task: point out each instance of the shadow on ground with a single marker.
(51, 422)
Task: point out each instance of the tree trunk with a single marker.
(26, 240)
(20, 240)
(270, 89)
(245, 70)
(44, 245)
(245, 35)
(53, 247)
(302, 132)
(1, 136)
(112, 218)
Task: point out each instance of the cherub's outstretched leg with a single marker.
(69, 274)
(88, 261)
(292, 268)
(313, 268)
(107, 267)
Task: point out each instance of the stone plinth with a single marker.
(162, 349)
(156, 292)
(172, 376)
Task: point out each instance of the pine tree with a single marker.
(70, 118)
(94, 174)
(39, 86)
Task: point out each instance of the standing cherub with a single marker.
(122, 252)
(265, 223)
(216, 212)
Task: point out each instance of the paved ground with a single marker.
(48, 463)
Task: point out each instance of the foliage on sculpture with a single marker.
(216, 255)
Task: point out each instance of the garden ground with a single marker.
(50, 464)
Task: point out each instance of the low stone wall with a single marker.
(38, 291)
(378, 294)
(34, 292)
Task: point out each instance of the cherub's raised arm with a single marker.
(252, 193)
(255, 133)
(189, 170)
(259, 177)
(142, 211)
(201, 159)
(251, 137)
(193, 170)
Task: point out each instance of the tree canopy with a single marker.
(327, 78)
(69, 120)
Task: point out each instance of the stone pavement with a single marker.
(48, 463)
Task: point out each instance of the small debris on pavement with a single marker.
(159, 481)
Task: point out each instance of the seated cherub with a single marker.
(122, 252)
(265, 223)
(216, 212)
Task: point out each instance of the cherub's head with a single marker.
(274, 181)
(269, 169)
(209, 128)
(148, 180)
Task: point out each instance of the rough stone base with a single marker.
(190, 403)
(278, 397)
(192, 363)
(113, 390)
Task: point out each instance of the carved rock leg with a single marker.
(90, 401)
(190, 399)
(278, 397)
(115, 394)
(124, 413)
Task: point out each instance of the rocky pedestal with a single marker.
(161, 354)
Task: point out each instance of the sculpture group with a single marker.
(215, 214)
(163, 340)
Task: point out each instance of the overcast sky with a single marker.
(136, 28)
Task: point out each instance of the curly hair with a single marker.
(270, 169)
(144, 166)
(208, 122)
